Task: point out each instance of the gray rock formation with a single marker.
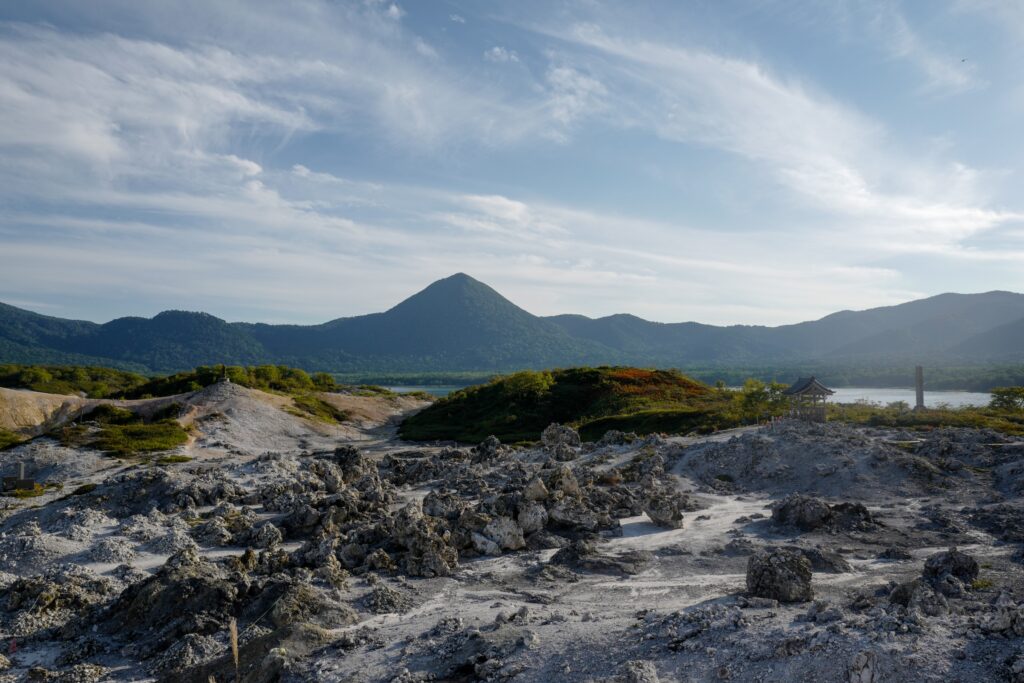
(780, 574)
(950, 571)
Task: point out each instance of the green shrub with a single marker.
(9, 438)
(169, 412)
(83, 489)
(34, 492)
(1007, 398)
(110, 414)
(73, 436)
(173, 459)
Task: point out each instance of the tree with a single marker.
(1007, 398)
(324, 381)
(34, 376)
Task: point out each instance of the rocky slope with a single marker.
(805, 553)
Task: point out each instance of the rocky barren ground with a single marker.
(810, 553)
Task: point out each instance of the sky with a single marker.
(760, 162)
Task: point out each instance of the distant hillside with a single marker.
(460, 324)
(454, 324)
(1002, 343)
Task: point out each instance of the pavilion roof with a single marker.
(808, 386)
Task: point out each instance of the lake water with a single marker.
(955, 399)
(932, 399)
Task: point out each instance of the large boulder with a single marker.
(666, 509)
(489, 449)
(561, 441)
(780, 574)
(428, 544)
(950, 571)
(808, 513)
(851, 517)
(918, 595)
(532, 517)
(556, 434)
(535, 490)
(826, 561)
(505, 533)
(803, 512)
(563, 480)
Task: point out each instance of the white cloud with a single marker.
(458, 19)
(500, 55)
(834, 158)
(573, 94)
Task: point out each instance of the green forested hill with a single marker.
(519, 406)
(459, 324)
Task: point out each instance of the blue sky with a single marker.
(759, 162)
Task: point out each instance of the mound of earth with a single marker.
(832, 460)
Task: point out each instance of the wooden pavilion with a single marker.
(807, 398)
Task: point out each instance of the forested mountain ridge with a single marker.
(461, 324)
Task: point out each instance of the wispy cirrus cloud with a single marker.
(945, 73)
(829, 154)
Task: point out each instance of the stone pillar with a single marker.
(919, 386)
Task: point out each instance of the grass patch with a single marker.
(314, 407)
(1007, 421)
(83, 489)
(128, 440)
(9, 438)
(36, 491)
(982, 584)
(173, 459)
(33, 492)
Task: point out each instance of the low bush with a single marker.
(110, 414)
(34, 492)
(173, 459)
(9, 438)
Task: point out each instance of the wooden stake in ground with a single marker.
(233, 628)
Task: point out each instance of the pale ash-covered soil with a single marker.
(345, 555)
